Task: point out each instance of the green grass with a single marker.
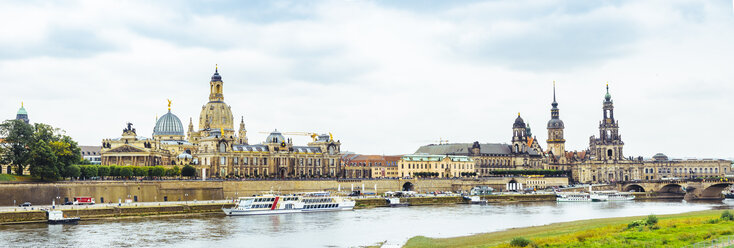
(671, 231)
(15, 178)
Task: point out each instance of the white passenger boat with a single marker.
(611, 196)
(573, 197)
(285, 204)
(57, 217)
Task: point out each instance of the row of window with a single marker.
(264, 199)
(682, 170)
(262, 206)
(435, 166)
(370, 163)
(317, 200)
(321, 206)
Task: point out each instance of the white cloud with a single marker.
(382, 78)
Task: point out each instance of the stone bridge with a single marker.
(691, 189)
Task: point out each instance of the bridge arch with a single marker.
(633, 188)
(671, 188)
(408, 186)
(714, 191)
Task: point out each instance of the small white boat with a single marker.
(285, 204)
(57, 217)
(395, 202)
(475, 199)
(573, 197)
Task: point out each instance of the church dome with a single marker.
(216, 77)
(555, 123)
(660, 157)
(519, 122)
(168, 124)
(275, 137)
(22, 111)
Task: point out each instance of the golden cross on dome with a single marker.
(169, 104)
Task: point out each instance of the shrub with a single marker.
(89, 171)
(520, 242)
(157, 171)
(139, 171)
(651, 220)
(726, 215)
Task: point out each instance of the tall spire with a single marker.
(608, 96)
(554, 104)
(169, 105)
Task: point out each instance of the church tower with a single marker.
(215, 114)
(243, 132)
(519, 136)
(556, 142)
(608, 147)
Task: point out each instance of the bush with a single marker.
(726, 215)
(651, 220)
(519, 242)
(89, 171)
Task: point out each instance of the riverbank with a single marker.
(131, 210)
(672, 230)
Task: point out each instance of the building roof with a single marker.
(250, 148)
(275, 137)
(465, 149)
(434, 158)
(90, 150)
(168, 124)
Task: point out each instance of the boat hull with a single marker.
(65, 221)
(238, 212)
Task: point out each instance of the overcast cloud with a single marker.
(383, 76)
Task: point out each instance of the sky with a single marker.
(384, 77)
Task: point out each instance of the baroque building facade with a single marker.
(524, 152)
(216, 150)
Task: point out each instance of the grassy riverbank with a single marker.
(670, 231)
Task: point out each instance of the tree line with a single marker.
(124, 172)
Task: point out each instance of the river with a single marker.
(330, 229)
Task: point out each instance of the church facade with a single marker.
(216, 149)
(604, 160)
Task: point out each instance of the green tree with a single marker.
(89, 171)
(139, 171)
(114, 171)
(173, 172)
(126, 172)
(103, 171)
(157, 171)
(73, 171)
(43, 161)
(18, 137)
(188, 171)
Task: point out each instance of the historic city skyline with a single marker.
(378, 89)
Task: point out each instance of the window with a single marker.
(223, 160)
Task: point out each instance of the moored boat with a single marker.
(573, 197)
(611, 196)
(284, 204)
(57, 217)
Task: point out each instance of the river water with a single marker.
(330, 229)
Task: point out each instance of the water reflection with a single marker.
(330, 229)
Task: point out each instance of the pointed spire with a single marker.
(608, 96)
(216, 68)
(518, 114)
(554, 90)
(169, 105)
(21, 104)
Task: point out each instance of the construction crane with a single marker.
(314, 136)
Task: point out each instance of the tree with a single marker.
(73, 171)
(89, 171)
(126, 172)
(103, 171)
(18, 141)
(188, 171)
(114, 171)
(140, 171)
(173, 172)
(43, 161)
(157, 171)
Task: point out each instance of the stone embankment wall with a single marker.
(158, 191)
(109, 212)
